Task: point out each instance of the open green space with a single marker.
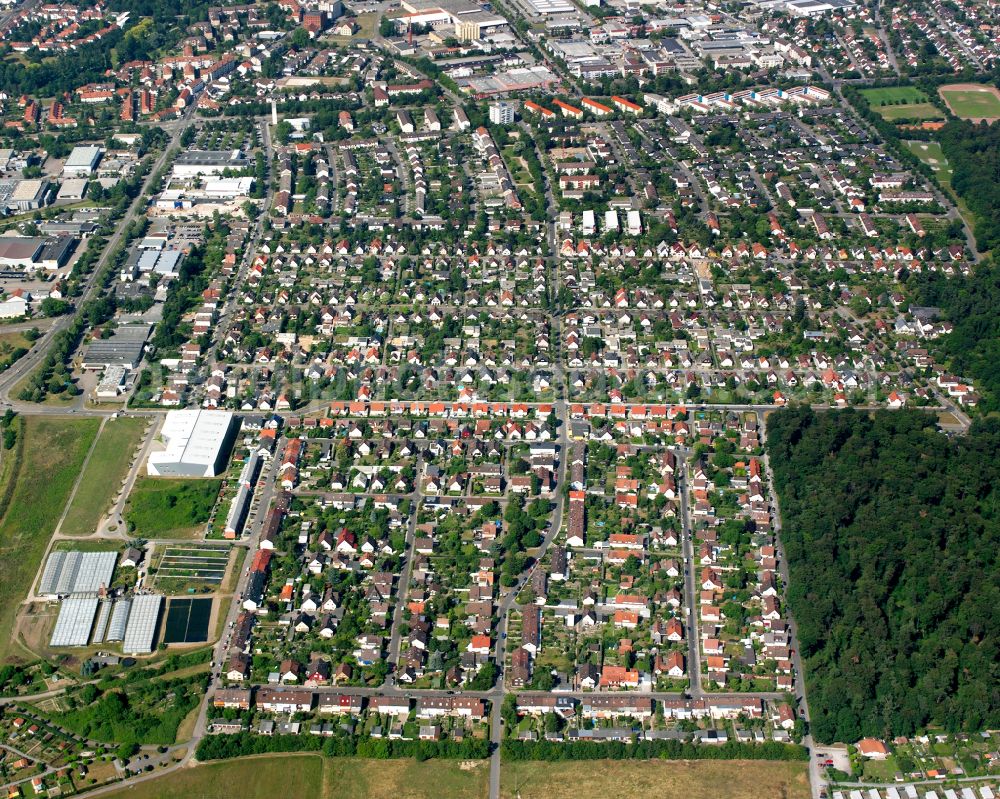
(888, 95)
(44, 465)
(920, 111)
(931, 154)
(673, 779)
(972, 103)
(312, 776)
(142, 710)
(901, 102)
(103, 476)
(881, 770)
(170, 508)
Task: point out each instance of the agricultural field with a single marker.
(189, 568)
(45, 462)
(700, 779)
(167, 508)
(311, 775)
(104, 474)
(972, 101)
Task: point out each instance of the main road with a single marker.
(92, 286)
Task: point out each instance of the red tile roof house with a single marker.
(873, 749)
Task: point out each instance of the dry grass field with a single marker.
(655, 779)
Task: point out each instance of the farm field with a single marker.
(702, 779)
(44, 463)
(311, 775)
(104, 473)
(182, 568)
(972, 100)
(168, 508)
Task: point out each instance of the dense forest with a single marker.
(972, 305)
(974, 154)
(892, 532)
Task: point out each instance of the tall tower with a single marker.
(274, 112)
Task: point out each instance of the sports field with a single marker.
(901, 102)
(975, 101)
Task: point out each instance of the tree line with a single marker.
(648, 750)
(219, 747)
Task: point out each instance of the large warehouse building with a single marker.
(196, 444)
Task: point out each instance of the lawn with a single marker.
(167, 508)
(104, 474)
(930, 153)
(921, 111)
(881, 771)
(894, 94)
(45, 464)
(312, 776)
(673, 779)
(972, 103)
(901, 102)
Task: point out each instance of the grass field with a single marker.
(901, 102)
(168, 508)
(894, 94)
(970, 102)
(664, 779)
(51, 454)
(312, 776)
(405, 779)
(103, 476)
(931, 154)
(920, 111)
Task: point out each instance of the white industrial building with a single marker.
(82, 161)
(196, 444)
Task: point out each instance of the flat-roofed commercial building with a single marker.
(124, 348)
(28, 195)
(82, 161)
(208, 162)
(197, 444)
(20, 251)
